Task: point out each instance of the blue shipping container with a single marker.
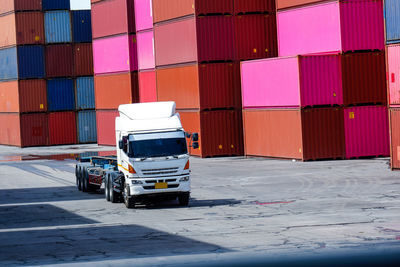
(60, 94)
(57, 26)
(87, 129)
(55, 4)
(31, 64)
(82, 26)
(392, 19)
(85, 93)
(8, 64)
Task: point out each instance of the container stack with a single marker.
(115, 62)
(325, 96)
(40, 59)
(145, 46)
(392, 17)
(198, 46)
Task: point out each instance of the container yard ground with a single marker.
(239, 208)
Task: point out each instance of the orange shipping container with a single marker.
(395, 137)
(220, 132)
(283, 4)
(307, 134)
(116, 89)
(23, 96)
(200, 86)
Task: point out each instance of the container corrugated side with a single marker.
(59, 61)
(200, 86)
(57, 25)
(34, 129)
(85, 93)
(60, 95)
(250, 6)
(8, 35)
(9, 96)
(79, 4)
(31, 63)
(87, 128)
(255, 36)
(30, 28)
(20, 5)
(106, 126)
(366, 131)
(8, 64)
(83, 59)
(286, 4)
(220, 132)
(146, 53)
(113, 17)
(81, 26)
(143, 15)
(147, 86)
(55, 4)
(331, 27)
(62, 128)
(392, 21)
(116, 89)
(10, 130)
(393, 69)
(395, 137)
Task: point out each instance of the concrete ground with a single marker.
(240, 209)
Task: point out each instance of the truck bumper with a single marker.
(148, 188)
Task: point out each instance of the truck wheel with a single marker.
(129, 201)
(84, 180)
(107, 188)
(113, 195)
(79, 179)
(184, 199)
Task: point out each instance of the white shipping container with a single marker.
(80, 4)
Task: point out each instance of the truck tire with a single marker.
(129, 201)
(85, 181)
(184, 199)
(107, 188)
(79, 179)
(113, 195)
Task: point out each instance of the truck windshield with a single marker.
(157, 147)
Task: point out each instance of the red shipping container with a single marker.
(29, 28)
(83, 59)
(304, 134)
(201, 86)
(201, 39)
(20, 5)
(34, 129)
(147, 86)
(106, 127)
(395, 137)
(255, 36)
(59, 61)
(366, 131)
(116, 89)
(220, 132)
(62, 128)
(113, 17)
(250, 6)
(172, 9)
(23, 96)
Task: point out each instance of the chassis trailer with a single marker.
(152, 157)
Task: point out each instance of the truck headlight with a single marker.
(136, 182)
(184, 179)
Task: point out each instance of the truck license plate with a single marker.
(161, 186)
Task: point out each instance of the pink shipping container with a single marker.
(143, 15)
(337, 26)
(314, 80)
(366, 131)
(115, 54)
(192, 39)
(147, 86)
(145, 46)
(393, 65)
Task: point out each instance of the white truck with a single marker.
(152, 157)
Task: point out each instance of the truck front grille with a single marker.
(165, 171)
(152, 187)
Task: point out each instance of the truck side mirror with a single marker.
(121, 144)
(195, 145)
(195, 137)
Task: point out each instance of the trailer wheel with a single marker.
(107, 188)
(79, 179)
(113, 195)
(129, 201)
(184, 199)
(85, 180)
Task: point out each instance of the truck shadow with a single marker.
(94, 243)
(194, 203)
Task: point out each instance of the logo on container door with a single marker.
(351, 115)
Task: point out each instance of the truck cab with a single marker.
(152, 153)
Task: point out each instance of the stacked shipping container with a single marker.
(392, 18)
(198, 46)
(115, 62)
(38, 69)
(325, 96)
